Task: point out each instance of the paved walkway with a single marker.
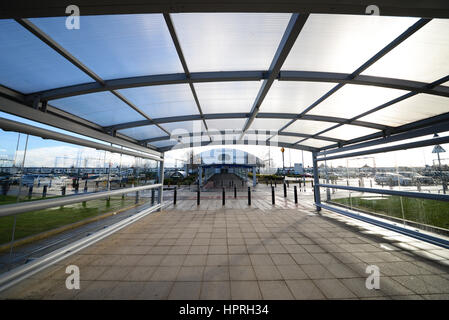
(241, 252)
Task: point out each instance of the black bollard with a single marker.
(198, 197)
(85, 186)
(152, 196)
(63, 191)
(235, 192)
(137, 197)
(44, 192)
(249, 196)
(223, 201)
(275, 183)
(295, 190)
(30, 192)
(175, 192)
(312, 183)
(285, 190)
(272, 196)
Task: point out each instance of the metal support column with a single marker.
(160, 197)
(200, 176)
(316, 186)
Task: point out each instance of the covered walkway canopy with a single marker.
(144, 78)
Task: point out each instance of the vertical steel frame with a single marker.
(160, 196)
(316, 182)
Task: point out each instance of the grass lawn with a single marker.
(430, 212)
(34, 222)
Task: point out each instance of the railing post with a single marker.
(223, 201)
(174, 195)
(161, 181)
(295, 191)
(272, 196)
(152, 196)
(249, 196)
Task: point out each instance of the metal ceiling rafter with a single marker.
(51, 8)
(235, 142)
(228, 132)
(294, 27)
(262, 115)
(382, 106)
(224, 76)
(171, 29)
(393, 44)
(41, 35)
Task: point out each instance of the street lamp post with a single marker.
(439, 149)
(283, 166)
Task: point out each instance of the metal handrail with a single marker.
(22, 207)
(410, 194)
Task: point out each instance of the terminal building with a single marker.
(227, 167)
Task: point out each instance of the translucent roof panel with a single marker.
(348, 132)
(224, 97)
(228, 138)
(229, 41)
(293, 96)
(308, 126)
(342, 43)
(102, 108)
(268, 124)
(285, 139)
(164, 143)
(260, 138)
(422, 57)
(315, 143)
(176, 128)
(29, 65)
(416, 108)
(352, 100)
(163, 101)
(226, 124)
(117, 46)
(144, 132)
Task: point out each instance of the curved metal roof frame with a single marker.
(40, 100)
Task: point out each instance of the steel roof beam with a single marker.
(56, 8)
(393, 44)
(69, 57)
(419, 128)
(214, 116)
(226, 132)
(294, 27)
(403, 128)
(171, 29)
(222, 76)
(27, 112)
(235, 142)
